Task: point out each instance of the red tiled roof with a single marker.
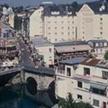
(91, 62)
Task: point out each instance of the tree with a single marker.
(106, 56)
(70, 103)
(66, 103)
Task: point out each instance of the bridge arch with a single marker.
(51, 91)
(31, 85)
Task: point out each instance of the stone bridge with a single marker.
(39, 82)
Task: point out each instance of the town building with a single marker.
(8, 43)
(36, 23)
(60, 23)
(99, 47)
(8, 16)
(71, 49)
(56, 22)
(85, 79)
(45, 49)
(92, 20)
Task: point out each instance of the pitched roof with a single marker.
(69, 43)
(63, 9)
(73, 61)
(99, 7)
(91, 62)
(72, 46)
(40, 41)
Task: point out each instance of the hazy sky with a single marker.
(34, 2)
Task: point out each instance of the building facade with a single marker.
(36, 23)
(86, 81)
(99, 47)
(58, 27)
(92, 20)
(45, 49)
(66, 22)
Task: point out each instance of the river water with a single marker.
(14, 98)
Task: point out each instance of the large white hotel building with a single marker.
(71, 22)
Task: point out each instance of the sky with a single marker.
(35, 2)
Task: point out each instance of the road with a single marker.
(25, 54)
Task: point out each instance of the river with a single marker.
(10, 97)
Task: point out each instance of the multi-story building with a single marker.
(68, 50)
(36, 23)
(45, 49)
(8, 42)
(86, 80)
(59, 23)
(92, 20)
(69, 22)
(8, 16)
(100, 47)
(56, 23)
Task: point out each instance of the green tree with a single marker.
(106, 56)
(66, 103)
(70, 103)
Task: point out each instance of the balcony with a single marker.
(92, 78)
(98, 89)
(82, 77)
(99, 79)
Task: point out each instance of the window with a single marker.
(79, 96)
(62, 33)
(68, 28)
(79, 84)
(101, 50)
(101, 28)
(101, 19)
(49, 22)
(96, 102)
(68, 71)
(104, 74)
(101, 23)
(55, 32)
(101, 33)
(62, 27)
(49, 27)
(97, 89)
(86, 71)
(50, 50)
(55, 39)
(104, 105)
(55, 27)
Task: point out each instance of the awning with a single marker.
(74, 48)
(98, 86)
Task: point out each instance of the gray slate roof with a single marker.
(40, 41)
(73, 61)
(96, 5)
(63, 9)
(70, 43)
